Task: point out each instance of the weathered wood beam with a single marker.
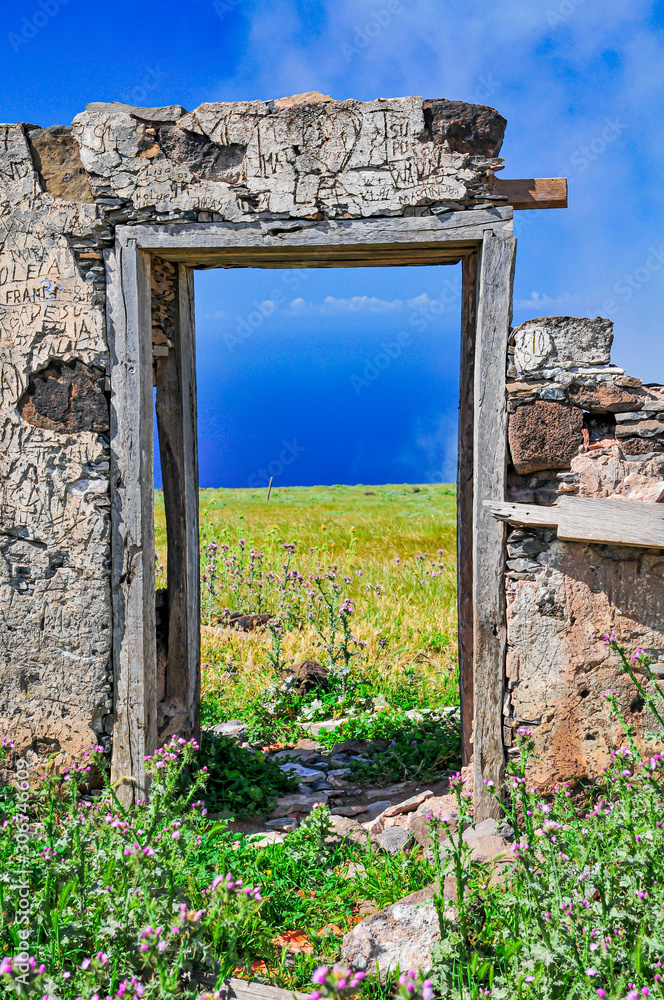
(535, 192)
(524, 515)
(591, 519)
(494, 317)
(132, 517)
(465, 502)
(176, 423)
(403, 240)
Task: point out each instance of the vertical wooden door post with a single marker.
(494, 317)
(465, 501)
(132, 499)
(176, 421)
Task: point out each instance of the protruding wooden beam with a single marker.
(535, 192)
(615, 521)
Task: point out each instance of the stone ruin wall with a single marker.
(578, 426)
(63, 190)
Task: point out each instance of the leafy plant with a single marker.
(241, 783)
(417, 749)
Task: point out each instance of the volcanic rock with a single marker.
(544, 435)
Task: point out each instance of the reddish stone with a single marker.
(605, 397)
(544, 435)
(641, 446)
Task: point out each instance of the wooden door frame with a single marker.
(482, 239)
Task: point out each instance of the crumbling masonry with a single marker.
(127, 199)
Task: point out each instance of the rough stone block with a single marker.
(605, 397)
(558, 623)
(403, 935)
(552, 340)
(465, 128)
(57, 158)
(544, 435)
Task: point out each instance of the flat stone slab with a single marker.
(374, 810)
(170, 113)
(348, 810)
(409, 805)
(297, 803)
(306, 775)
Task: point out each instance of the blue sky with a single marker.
(581, 83)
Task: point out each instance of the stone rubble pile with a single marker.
(393, 819)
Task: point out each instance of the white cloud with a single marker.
(333, 306)
(540, 301)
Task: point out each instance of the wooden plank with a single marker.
(348, 242)
(526, 515)
(592, 519)
(239, 989)
(132, 514)
(383, 256)
(190, 477)
(535, 192)
(465, 502)
(494, 316)
(178, 449)
(614, 522)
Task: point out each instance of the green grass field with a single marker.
(392, 550)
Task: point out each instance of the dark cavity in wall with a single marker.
(206, 160)
(67, 396)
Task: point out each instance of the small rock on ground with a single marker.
(285, 823)
(267, 839)
(395, 840)
(247, 623)
(234, 728)
(345, 827)
(375, 809)
(352, 869)
(310, 676)
(403, 935)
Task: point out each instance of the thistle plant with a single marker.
(330, 613)
(578, 911)
(107, 911)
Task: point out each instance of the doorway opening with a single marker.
(482, 241)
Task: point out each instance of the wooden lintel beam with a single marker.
(535, 192)
(614, 521)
